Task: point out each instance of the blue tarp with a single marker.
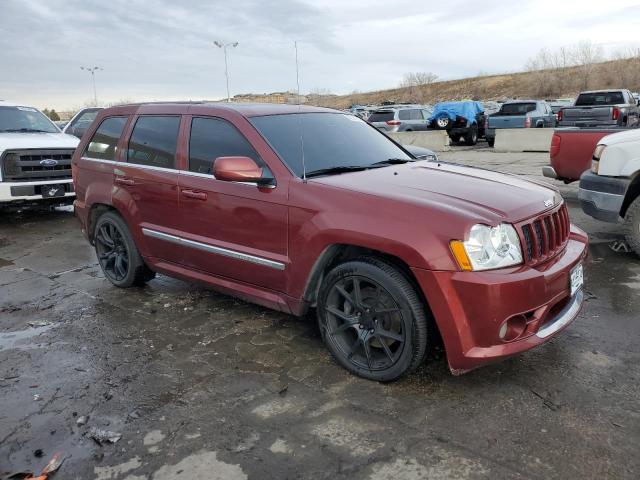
(468, 110)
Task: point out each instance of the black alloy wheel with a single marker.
(112, 251)
(371, 320)
(117, 253)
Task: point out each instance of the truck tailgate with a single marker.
(572, 149)
(507, 121)
(587, 115)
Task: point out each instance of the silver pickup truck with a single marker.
(598, 108)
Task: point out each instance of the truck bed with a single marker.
(572, 149)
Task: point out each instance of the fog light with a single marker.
(512, 328)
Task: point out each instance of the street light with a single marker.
(92, 71)
(226, 66)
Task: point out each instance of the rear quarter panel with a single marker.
(574, 154)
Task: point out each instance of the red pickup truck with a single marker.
(571, 151)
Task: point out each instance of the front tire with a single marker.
(491, 141)
(632, 226)
(117, 253)
(371, 320)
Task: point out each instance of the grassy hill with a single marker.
(548, 83)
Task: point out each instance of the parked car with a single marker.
(405, 118)
(610, 190)
(571, 151)
(421, 153)
(601, 107)
(519, 114)
(462, 120)
(35, 159)
(228, 195)
(81, 121)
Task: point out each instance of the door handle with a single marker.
(194, 194)
(125, 181)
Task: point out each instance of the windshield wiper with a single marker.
(27, 130)
(339, 169)
(393, 161)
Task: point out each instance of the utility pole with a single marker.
(92, 71)
(295, 45)
(224, 46)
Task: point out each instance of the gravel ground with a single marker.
(200, 385)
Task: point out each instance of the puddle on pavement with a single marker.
(9, 340)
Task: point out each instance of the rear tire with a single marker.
(117, 253)
(372, 320)
(632, 226)
(491, 141)
(471, 138)
(455, 138)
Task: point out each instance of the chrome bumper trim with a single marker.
(564, 318)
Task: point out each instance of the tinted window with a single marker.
(383, 116)
(600, 98)
(103, 144)
(153, 141)
(85, 119)
(517, 108)
(329, 140)
(25, 119)
(404, 115)
(212, 138)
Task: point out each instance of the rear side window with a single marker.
(404, 115)
(212, 138)
(104, 143)
(517, 108)
(153, 141)
(599, 98)
(381, 116)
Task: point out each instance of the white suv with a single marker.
(35, 159)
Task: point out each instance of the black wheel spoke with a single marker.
(385, 347)
(339, 314)
(389, 334)
(357, 294)
(367, 350)
(345, 294)
(111, 249)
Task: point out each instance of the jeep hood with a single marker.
(17, 140)
(480, 195)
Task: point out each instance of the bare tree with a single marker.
(417, 85)
(587, 55)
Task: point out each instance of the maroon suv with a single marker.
(299, 207)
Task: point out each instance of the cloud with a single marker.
(163, 49)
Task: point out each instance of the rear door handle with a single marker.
(125, 181)
(194, 194)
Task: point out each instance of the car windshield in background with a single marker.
(330, 140)
(517, 108)
(384, 116)
(600, 98)
(25, 119)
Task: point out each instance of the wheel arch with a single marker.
(335, 254)
(633, 192)
(96, 210)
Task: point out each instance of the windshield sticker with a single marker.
(27, 109)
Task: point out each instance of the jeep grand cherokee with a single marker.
(299, 207)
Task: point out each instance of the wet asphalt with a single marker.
(201, 385)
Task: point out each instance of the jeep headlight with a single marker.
(488, 248)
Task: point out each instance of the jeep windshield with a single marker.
(329, 143)
(25, 120)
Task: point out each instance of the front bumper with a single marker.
(602, 197)
(30, 192)
(470, 307)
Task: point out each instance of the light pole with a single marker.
(92, 71)
(226, 65)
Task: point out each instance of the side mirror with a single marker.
(242, 169)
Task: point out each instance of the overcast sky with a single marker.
(161, 49)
